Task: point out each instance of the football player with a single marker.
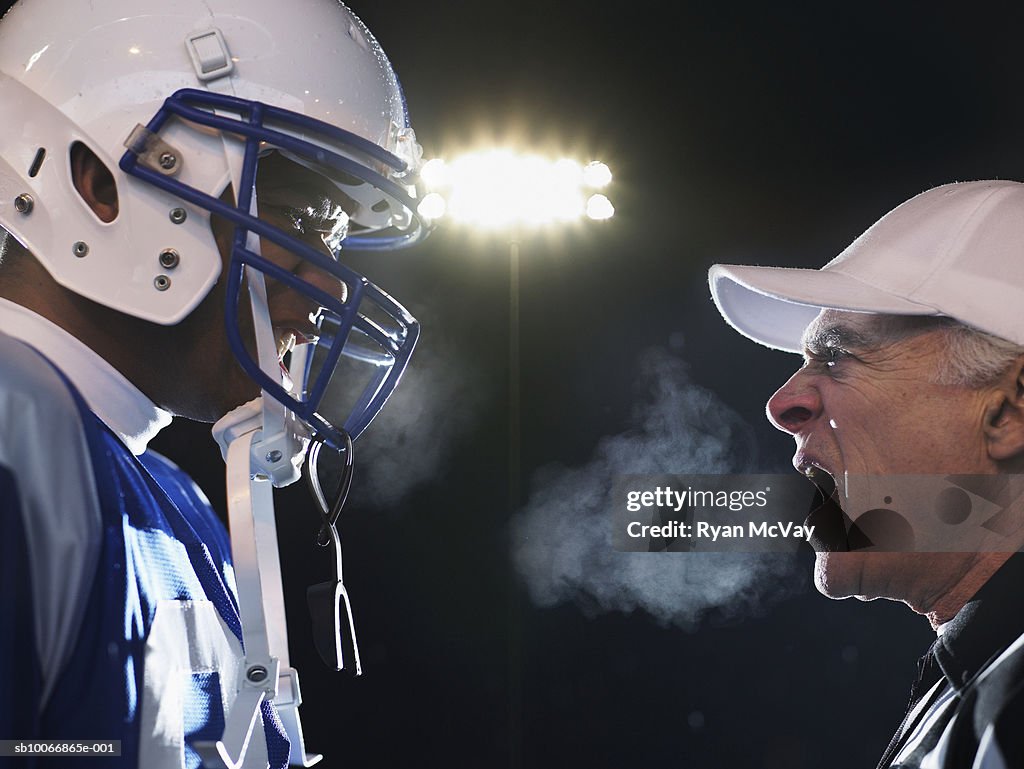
(180, 182)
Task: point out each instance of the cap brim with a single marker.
(774, 305)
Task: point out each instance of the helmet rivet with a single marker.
(80, 248)
(169, 258)
(162, 282)
(274, 456)
(256, 674)
(167, 161)
(23, 203)
(178, 215)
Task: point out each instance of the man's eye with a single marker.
(301, 220)
(829, 357)
(311, 225)
(284, 217)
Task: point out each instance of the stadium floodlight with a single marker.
(499, 188)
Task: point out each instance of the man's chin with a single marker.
(863, 575)
(839, 575)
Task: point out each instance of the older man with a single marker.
(914, 368)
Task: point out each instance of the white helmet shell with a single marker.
(94, 74)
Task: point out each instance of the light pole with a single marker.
(508, 192)
(500, 190)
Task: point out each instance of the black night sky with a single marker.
(769, 133)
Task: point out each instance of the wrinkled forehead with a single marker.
(862, 331)
(841, 328)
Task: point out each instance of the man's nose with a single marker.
(795, 404)
(329, 284)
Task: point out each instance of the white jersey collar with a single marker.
(117, 402)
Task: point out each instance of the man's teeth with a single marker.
(285, 342)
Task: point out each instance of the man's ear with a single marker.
(94, 182)
(1004, 419)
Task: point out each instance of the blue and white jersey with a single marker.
(119, 611)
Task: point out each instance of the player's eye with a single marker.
(302, 220)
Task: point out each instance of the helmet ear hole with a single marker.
(94, 182)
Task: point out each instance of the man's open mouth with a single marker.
(288, 338)
(854, 529)
(831, 524)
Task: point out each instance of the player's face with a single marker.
(862, 408)
(305, 205)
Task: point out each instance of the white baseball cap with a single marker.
(955, 250)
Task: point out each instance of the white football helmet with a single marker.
(180, 100)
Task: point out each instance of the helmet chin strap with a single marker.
(263, 445)
(266, 672)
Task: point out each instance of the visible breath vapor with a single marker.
(411, 439)
(563, 537)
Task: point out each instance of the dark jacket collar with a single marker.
(986, 625)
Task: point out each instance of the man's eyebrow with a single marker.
(837, 337)
(316, 199)
(306, 190)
